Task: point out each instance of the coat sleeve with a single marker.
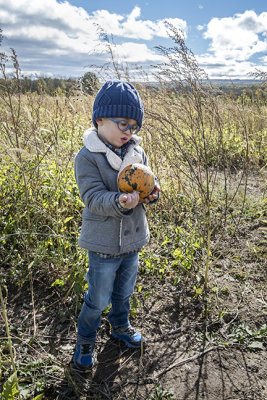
(94, 194)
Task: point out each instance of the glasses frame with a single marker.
(129, 126)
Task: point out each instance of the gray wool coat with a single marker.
(105, 228)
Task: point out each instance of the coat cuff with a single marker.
(120, 207)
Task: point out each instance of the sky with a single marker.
(56, 38)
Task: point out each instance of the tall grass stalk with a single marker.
(187, 124)
(41, 208)
(11, 96)
(10, 347)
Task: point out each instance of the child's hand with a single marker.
(153, 195)
(129, 200)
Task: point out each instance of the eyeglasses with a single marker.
(124, 126)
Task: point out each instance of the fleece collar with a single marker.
(95, 145)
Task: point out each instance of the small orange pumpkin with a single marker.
(138, 178)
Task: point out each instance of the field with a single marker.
(200, 297)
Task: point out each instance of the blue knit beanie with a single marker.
(118, 99)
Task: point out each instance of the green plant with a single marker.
(11, 387)
(162, 394)
(11, 391)
(134, 306)
(244, 334)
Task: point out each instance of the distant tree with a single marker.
(49, 85)
(90, 82)
(26, 84)
(69, 84)
(41, 86)
(259, 74)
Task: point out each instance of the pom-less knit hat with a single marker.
(118, 99)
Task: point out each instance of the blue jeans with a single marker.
(110, 280)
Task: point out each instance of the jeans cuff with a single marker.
(125, 326)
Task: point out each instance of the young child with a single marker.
(114, 225)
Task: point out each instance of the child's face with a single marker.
(109, 131)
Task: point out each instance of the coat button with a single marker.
(137, 229)
(126, 233)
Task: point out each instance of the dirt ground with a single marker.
(173, 363)
(194, 350)
(177, 361)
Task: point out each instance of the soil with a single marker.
(194, 348)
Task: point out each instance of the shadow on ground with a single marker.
(176, 358)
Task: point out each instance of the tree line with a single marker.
(88, 84)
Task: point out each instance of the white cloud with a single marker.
(7, 17)
(135, 52)
(238, 37)
(49, 19)
(133, 27)
(54, 37)
(47, 27)
(219, 68)
(36, 29)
